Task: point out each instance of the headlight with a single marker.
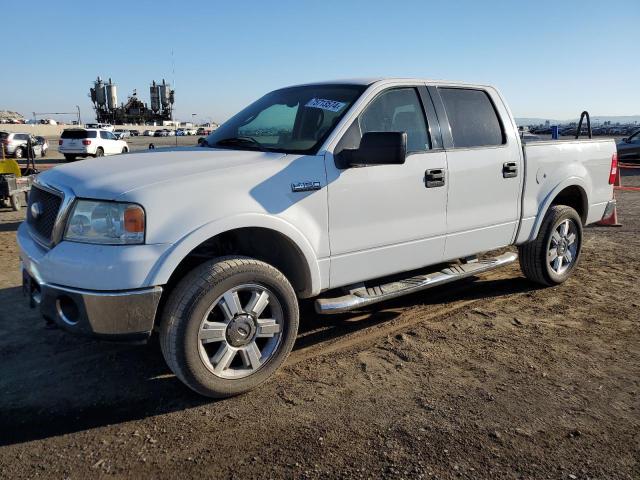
(106, 223)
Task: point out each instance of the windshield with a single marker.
(290, 120)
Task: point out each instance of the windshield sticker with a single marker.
(331, 105)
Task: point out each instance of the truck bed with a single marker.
(549, 164)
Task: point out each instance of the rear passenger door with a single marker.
(484, 170)
(109, 142)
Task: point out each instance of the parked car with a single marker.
(134, 133)
(181, 132)
(276, 211)
(148, 133)
(100, 126)
(629, 148)
(89, 142)
(170, 133)
(121, 133)
(15, 144)
(160, 133)
(203, 131)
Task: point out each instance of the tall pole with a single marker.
(79, 121)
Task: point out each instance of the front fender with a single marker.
(167, 264)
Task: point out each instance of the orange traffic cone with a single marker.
(611, 220)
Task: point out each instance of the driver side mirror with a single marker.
(377, 148)
(625, 139)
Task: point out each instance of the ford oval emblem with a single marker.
(36, 210)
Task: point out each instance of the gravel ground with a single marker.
(487, 379)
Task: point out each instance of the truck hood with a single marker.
(111, 177)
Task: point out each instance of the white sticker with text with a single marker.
(331, 105)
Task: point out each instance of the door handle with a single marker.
(509, 169)
(434, 178)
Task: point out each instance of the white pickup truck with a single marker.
(328, 190)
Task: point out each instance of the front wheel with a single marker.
(99, 152)
(551, 258)
(19, 152)
(228, 325)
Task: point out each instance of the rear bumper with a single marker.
(122, 315)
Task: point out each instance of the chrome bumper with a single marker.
(123, 315)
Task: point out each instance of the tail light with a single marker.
(60, 142)
(86, 142)
(613, 173)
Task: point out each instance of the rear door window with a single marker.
(107, 135)
(473, 118)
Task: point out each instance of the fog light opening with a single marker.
(67, 309)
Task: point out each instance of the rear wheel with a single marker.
(553, 255)
(19, 153)
(228, 326)
(124, 150)
(99, 152)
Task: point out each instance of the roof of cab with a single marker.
(368, 81)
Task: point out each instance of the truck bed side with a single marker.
(553, 166)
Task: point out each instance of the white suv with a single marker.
(88, 142)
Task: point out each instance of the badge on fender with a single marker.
(305, 186)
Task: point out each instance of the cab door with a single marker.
(484, 158)
(386, 219)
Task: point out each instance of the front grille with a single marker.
(49, 206)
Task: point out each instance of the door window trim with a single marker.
(427, 120)
(445, 126)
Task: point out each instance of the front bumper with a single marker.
(116, 315)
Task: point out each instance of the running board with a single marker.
(364, 296)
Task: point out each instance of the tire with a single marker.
(99, 152)
(19, 153)
(551, 258)
(43, 153)
(210, 367)
(70, 158)
(16, 203)
(124, 150)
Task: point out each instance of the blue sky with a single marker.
(550, 59)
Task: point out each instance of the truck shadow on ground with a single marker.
(53, 383)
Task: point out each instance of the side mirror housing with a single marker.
(625, 139)
(377, 148)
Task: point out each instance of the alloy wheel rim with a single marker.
(241, 331)
(563, 246)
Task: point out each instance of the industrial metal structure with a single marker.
(104, 96)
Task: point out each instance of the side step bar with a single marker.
(364, 296)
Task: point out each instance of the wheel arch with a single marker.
(571, 192)
(265, 238)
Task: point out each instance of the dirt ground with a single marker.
(487, 379)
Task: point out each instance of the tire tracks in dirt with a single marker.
(444, 306)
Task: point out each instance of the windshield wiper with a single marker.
(240, 140)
